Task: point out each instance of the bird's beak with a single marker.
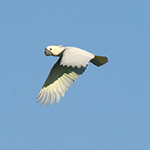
(47, 52)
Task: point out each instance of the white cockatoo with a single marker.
(71, 64)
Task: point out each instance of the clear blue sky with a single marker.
(108, 108)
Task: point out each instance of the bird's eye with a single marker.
(50, 49)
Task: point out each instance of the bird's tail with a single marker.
(99, 60)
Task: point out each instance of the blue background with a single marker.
(106, 108)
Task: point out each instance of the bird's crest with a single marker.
(59, 46)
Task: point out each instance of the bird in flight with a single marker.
(70, 66)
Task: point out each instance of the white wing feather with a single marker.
(58, 82)
(76, 57)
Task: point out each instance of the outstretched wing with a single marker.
(76, 57)
(58, 82)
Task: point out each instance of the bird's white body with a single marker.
(71, 64)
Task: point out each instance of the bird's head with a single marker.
(53, 50)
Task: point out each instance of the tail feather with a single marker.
(99, 60)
